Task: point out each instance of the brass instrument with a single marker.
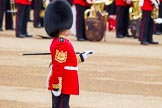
(13, 9)
(108, 2)
(135, 11)
(97, 6)
(44, 5)
(155, 13)
(95, 17)
(135, 15)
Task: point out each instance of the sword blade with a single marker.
(40, 53)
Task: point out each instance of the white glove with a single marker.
(56, 93)
(155, 3)
(85, 55)
(57, 87)
(158, 20)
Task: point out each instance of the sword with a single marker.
(37, 53)
(34, 54)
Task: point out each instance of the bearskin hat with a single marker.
(58, 17)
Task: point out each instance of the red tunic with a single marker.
(147, 5)
(64, 57)
(81, 2)
(25, 2)
(121, 3)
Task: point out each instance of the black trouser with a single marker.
(5, 7)
(37, 8)
(61, 101)
(111, 9)
(146, 30)
(22, 19)
(122, 20)
(80, 24)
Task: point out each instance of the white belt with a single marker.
(70, 68)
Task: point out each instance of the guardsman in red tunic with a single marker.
(62, 80)
(146, 31)
(23, 8)
(37, 9)
(158, 30)
(81, 6)
(111, 9)
(122, 20)
(5, 8)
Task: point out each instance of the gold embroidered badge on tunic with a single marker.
(60, 56)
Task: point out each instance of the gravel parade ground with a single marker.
(120, 74)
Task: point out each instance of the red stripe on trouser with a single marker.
(61, 101)
(17, 18)
(36, 9)
(142, 26)
(77, 15)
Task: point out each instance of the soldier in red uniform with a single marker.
(38, 20)
(5, 8)
(62, 80)
(81, 6)
(146, 30)
(122, 20)
(23, 8)
(111, 9)
(158, 29)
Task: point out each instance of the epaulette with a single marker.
(61, 39)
